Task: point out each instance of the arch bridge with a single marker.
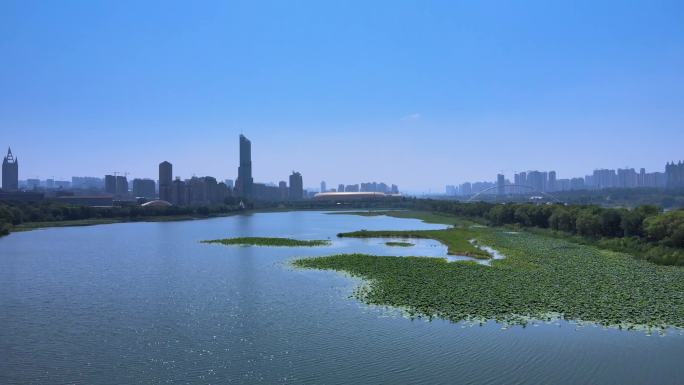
(533, 190)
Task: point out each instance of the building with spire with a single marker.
(674, 175)
(244, 182)
(10, 172)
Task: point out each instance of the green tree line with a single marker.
(645, 231)
(15, 213)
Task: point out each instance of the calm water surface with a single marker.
(145, 303)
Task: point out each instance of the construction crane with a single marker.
(116, 173)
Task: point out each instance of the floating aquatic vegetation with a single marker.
(539, 276)
(263, 241)
(399, 244)
(457, 240)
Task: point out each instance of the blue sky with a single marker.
(418, 93)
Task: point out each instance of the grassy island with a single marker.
(457, 240)
(540, 278)
(399, 244)
(264, 241)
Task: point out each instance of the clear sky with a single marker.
(418, 93)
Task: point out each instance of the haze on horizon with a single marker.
(420, 94)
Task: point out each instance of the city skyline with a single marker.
(342, 192)
(537, 181)
(656, 178)
(569, 87)
(175, 190)
(152, 174)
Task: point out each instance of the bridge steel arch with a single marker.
(514, 185)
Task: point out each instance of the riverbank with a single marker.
(425, 216)
(29, 226)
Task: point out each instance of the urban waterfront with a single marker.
(148, 303)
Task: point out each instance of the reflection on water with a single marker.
(147, 303)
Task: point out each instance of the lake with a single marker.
(146, 303)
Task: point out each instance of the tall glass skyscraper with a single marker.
(165, 180)
(244, 180)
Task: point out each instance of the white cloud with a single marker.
(414, 116)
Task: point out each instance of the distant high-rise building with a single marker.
(369, 187)
(562, 184)
(383, 188)
(674, 175)
(323, 187)
(394, 189)
(229, 183)
(121, 186)
(284, 194)
(266, 192)
(179, 193)
(220, 193)
(296, 186)
(244, 180)
(110, 184)
(520, 180)
(626, 178)
(62, 184)
(655, 179)
(165, 180)
(577, 184)
(10, 172)
(500, 184)
(32, 183)
(199, 190)
(340, 188)
(116, 185)
(144, 188)
(537, 180)
(551, 184)
(604, 179)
